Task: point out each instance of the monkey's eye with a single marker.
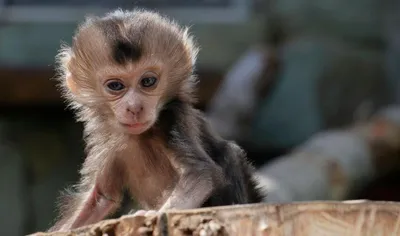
(115, 86)
(148, 81)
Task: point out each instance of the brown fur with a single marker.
(166, 166)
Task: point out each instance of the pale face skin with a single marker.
(133, 95)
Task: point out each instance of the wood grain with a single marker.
(353, 218)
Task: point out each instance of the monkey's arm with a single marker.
(198, 178)
(199, 174)
(100, 200)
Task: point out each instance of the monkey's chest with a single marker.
(151, 179)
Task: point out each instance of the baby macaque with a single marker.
(130, 78)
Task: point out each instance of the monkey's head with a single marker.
(125, 66)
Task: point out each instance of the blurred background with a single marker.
(308, 87)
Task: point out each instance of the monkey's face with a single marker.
(124, 67)
(134, 99)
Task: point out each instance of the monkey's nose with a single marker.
(135, 109)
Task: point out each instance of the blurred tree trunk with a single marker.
(336, 164)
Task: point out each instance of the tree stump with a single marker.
(302, 218)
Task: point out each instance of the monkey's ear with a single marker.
(71, 84)
(64, 58)
(191, 46)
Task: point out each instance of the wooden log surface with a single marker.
(353, 218)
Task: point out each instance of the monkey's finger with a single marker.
(139, 213)
(150, 213)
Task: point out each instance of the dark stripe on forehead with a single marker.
(123, 48)
(124, 51)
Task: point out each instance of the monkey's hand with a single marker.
(144, 213)
(195, 186)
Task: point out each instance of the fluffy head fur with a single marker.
(127, 46)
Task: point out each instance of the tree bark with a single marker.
(307, 218)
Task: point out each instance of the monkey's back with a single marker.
(239, 187)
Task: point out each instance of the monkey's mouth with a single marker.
(136, 125)
(136, 128)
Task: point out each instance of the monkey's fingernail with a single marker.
(139, 213)
(149, 213)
